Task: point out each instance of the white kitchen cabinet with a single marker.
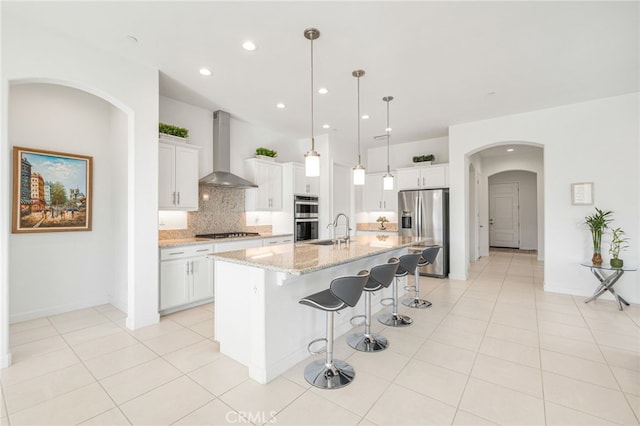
(268, 176)
(375, 197)
(303, 185)
(186, 276)
(434, 176)
(178, 177)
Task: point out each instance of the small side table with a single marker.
(607, 281)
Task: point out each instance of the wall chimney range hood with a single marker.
(221, 176)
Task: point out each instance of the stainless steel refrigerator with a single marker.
(425, 213)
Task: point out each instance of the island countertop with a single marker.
(305, 257)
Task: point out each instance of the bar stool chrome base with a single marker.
(368, 343)
(395, 320)
(335, 376)
(417, 303)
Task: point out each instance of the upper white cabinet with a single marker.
(303, 185)
(375, 198)
(268, 176)
(178, 176)
(434, 176)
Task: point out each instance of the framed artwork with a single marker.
(52, 191)
(582, 193)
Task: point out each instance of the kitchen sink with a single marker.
(322, 242)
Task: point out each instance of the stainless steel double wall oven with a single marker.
(305, 217)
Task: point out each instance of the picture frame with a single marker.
(582, 194)
(52, 191)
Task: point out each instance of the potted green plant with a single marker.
(597, 223)
(618, 243)
(266, 153)
(171, 132)
(424, 159)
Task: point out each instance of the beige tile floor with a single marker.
(495, 349)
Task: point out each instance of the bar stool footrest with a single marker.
(387, 301)
(357, 317)
(321, 351)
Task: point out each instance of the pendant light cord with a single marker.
(312, 139)
(387, 128)
(359, 159)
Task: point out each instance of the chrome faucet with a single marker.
(346, 232)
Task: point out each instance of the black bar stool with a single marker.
(380, 276)
(408, 263)
(343, 292)
(427, 258)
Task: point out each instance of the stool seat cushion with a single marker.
(429, 254)
(408, 263)
(323, 300)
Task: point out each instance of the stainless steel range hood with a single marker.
(221, 176)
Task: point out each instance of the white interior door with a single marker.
(503, 215)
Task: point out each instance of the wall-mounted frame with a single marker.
(52, 191)
(582, 194)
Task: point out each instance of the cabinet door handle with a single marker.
(174, 198)
(187, 266)
(177, 252)
(200, 250)
(178, 198)
(191, 267)
(422, 183)
(385, 204)
(418, 179)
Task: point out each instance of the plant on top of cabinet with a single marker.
(265, 152)
(172, 130)
(423, 158)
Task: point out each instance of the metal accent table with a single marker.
(607, 281)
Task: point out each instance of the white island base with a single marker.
(258, 320)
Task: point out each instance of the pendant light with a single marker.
(387, 180)
(312, 158)
(358, 169)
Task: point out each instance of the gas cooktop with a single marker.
(228, 235)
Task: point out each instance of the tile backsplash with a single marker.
(219, 210)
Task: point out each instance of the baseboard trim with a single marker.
(59, 309)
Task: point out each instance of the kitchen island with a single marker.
(258, 320)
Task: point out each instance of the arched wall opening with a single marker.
(51, 273)
(491, 160)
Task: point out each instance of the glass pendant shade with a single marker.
(358, 175)
(312, 164)
(387, 182)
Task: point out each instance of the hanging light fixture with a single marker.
(387, 179)
(312, 158)
(358, 169)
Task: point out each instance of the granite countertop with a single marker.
(195, 241)
(304, 257)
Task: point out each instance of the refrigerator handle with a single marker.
(419, 214)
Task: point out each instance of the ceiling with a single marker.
(443, 62)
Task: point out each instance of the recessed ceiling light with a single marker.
(205, 71)
(365, 117)
(510, 149)
(388, 129)
(325, 126)
(249, 45)
(323, 91)
(280, 105)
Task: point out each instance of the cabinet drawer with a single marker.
(186, 251)
(277, 240)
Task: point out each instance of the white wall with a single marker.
(527, 217)
(32, 54)
(401, 154)
(61, 271)
(593, 141)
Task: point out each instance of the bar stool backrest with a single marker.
(408, 263)
(430, 253)
(383, 274)
(349, 288)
